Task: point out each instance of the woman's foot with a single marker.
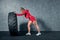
(28, 33)
(38, 34)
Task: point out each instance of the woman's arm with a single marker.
(20, 14)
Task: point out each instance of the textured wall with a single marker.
(47, 13)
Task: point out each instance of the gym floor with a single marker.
(48, 35)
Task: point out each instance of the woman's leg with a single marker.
(29, 23)
(36, 25)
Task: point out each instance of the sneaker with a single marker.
(38, 34)
(28, 33)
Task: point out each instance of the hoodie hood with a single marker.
(27, 10)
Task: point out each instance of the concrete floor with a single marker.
(48, 35)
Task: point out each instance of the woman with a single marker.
(31, 18)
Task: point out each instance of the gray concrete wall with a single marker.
(47, 13)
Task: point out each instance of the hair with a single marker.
(22, 8)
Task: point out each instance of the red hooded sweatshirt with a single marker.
(27, 14)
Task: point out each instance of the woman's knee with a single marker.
(29, 23)
(35, 23)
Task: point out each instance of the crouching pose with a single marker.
(32, 20)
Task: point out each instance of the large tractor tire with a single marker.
(12, 23)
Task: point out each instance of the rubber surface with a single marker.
(12, 23)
